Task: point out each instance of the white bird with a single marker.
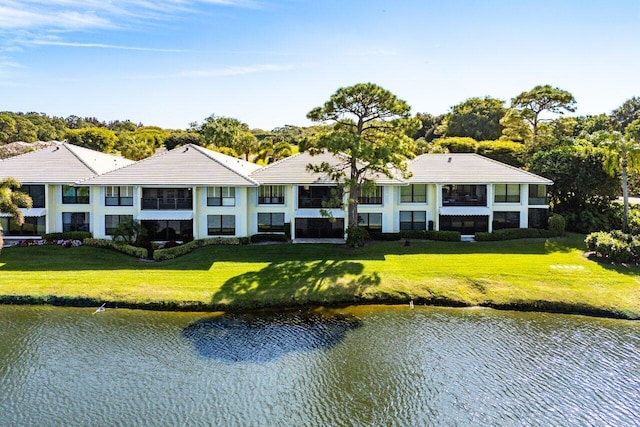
(100, 309)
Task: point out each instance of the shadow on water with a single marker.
(247, 337)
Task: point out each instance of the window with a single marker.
(75, 221)
(167, 199)
(464, 195)
(537, 194)
(33, 226)
(271, 195)
(370, 221)
(413, 220)
(118, 196)
(221, 225)
(221, 196)
(538, 218)
(506, 220)
(270, 222)
(371, 197)
(465, 224)
(319, 197)
(111, 222)
(507, 193)
(169, 229)
(75, 195)
(37, 194)
(414, 193)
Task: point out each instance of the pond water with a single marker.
(369, 366)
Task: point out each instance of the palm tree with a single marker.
(12, 200)
(624, 155)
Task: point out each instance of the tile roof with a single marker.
(61, 163)
(293, 170)
(188, 165)
(462, 168)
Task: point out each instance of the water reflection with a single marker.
(236, 337)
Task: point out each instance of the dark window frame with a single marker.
(413, 197)
(506, 198)
(222, 230)
(268, 198)
(364, 221)
(108, 231)
(75, 198)
(413, 224)
(74, 224)
(506, 219)
(120, 200)
(267, 226)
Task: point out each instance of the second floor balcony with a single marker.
(167, 199)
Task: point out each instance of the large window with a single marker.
(414, 193)
(464, 195)
(271, 195)
(221, 196)
(118, 196)
(370, 221)
(318, 197)
(33, 226)
(371, 197)
(506, 220)
(270, 222)
(75, 221)
(413, 220)
(37, 194)
(466, 225)
(507, 193)
(167, 199)
(75, 195)
(169, 229)
(111, 222)
(221, 225)
(537, 194)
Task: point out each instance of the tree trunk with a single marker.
(354, 195)
(625, 196)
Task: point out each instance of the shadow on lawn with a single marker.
(295, 282)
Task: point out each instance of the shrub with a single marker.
(131, 232)
(511, 233)
(356, 236)
(615, 246)
(117, 246)
(67, 235)
(170, 253)
(258, 238)
(557, 224)
(508, 152)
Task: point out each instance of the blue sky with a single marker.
(269, 62)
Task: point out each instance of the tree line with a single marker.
(591, 159)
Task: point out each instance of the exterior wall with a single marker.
(239, 211)
(386, 208)
(288, 208)
(100, 209)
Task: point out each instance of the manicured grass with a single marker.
(540, 274)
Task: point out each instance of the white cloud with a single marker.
(99, 46)
(236, 71)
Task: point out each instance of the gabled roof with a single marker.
(62, 163)
(188, 165)
(293, 170)
(463, 168)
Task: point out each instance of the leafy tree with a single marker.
(245, 144)
(122, 126)
(7, 128)
(130, 232)
(371, 134)
(11, 200)
(430, 125)
(514, 127)
(270, 151)
(230, 133)
(578, 174)
(622, 116)
(542, 99)
(25, 130)
(477, 118)
(100, 139)
(623, 157)
(458, 144)
(508, 152)
(137, 150)
(177, 139)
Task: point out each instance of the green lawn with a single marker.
(535, 273)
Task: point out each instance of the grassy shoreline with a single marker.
(534, 274)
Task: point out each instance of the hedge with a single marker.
(512, 233)
(117, 246)
(442, 236)
(67, 235)
(257, 238)
(170, 253)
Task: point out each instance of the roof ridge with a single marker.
(509, 166)
(67, 146)
(200, 149)
(269, 166)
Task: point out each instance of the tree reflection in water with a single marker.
(240, 337)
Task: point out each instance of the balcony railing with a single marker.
(271, 200)
(75, 200)
(464, 201)
(538, 201)
(316, 202)
(167, 204)
(369, 200)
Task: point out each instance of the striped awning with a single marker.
(37, 212)
(165, 215)
(464, 210)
